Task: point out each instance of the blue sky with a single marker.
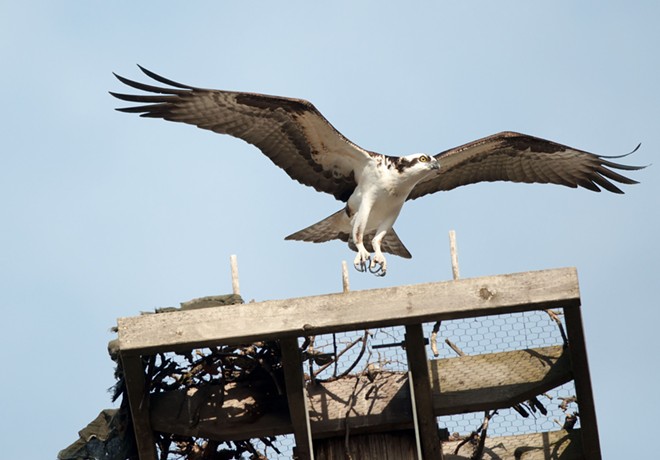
(105, 214)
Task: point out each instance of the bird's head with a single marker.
(418, 164)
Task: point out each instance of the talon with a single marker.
(362, 262)
(378, 265)
(377, 269)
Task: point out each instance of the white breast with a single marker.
(384, 190)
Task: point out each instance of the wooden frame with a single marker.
(288, 319)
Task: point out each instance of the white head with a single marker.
(417, 164)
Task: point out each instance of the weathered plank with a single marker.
(585, 397)
(379, 446)
(297, 398)
(553, 445)
(496, 380)
(427, 425)
(349, 311)
(381, 405)
(139, 404)
(223, 413)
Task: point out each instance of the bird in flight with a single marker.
(299, 139)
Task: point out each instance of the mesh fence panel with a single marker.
(487, 334)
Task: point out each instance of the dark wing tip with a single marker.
(154, 89)
(165, 81)
(624, 155)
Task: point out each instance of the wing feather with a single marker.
(291, 132)
(516, 157)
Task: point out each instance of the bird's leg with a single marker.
(359, 221)
(378, 264)
(362, 258)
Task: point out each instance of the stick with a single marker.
(434, 339)
(346, 285)
(454, 254)
(454, 347)
(234, 275)
(455, 275)
(556, 319)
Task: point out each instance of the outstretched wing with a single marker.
(515, 157)
(291, 132)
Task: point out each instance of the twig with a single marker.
(455, 275)
(434, 339)
(363, 339)
(566, 401)
(479, 432)
(556, 319)
(571, 420)
(334, 352)
(454, 347)
(479, 452)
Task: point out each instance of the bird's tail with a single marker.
(334, 227)
(391, 244)
(338, 227)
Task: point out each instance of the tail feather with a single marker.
(337, 227)
(391, 244)
(333, 227)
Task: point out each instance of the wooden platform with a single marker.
(445, 386)
(553, 445)
(355, 310)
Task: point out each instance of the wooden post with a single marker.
(297, 398)
(582, 379)
(454, 255)
(420, 386)
(138, 399)
(346, 285)
(236, 289)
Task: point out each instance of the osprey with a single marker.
(298, 138)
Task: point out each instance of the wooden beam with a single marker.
(297, 398)
(421, 389)
(221, 412)
(585, 398)
(139, 404)
(553, 445)
(235, 324)
(377, 446)
(496, 380)
(462, 384)
(381, 405)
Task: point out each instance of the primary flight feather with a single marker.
(298, 138)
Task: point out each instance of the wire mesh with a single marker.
(471, 336)
(332, 356)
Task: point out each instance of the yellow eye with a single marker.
(424, 159)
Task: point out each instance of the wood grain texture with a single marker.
(585, 397)
(354, 310)
(139, 404)
(297, 398)
(553, 445)
(469, 383)
(418, 365)
(496, 380)
(381, 446)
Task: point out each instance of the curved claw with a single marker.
(362, 264)
(377, 269)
